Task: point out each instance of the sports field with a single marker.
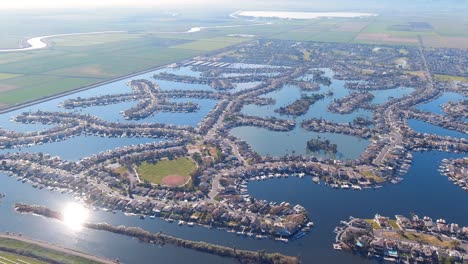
(168, 172)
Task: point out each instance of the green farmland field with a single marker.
(31, 75)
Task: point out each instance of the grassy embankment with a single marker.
(19, 251)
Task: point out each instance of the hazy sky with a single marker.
(262, 4)
(90, 3)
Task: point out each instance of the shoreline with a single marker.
(57, 248)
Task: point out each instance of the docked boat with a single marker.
(284, 240)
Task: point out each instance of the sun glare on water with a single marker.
(74, 216)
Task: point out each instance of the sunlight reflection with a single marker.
(74, 216)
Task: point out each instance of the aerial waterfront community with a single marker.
(408, 240)
(198, 174)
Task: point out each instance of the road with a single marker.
(391, 113)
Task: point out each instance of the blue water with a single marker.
(272, 143)
(294, 142)
(76, 148)
(424, 127)
(326, 207)
(434, 106)
(384, 95)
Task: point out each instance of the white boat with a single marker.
(284, 240)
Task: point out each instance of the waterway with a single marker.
(423, 191)
(295, 141)
(423, 127)
(435, 106)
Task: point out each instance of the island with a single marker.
(316, 145)
(350, 103)
(244, 256)
(300, 106)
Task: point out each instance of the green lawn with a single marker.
(393, 224)
(369, 175)
(154, 173)
(423, 239)
(373, 223)
(37, 251)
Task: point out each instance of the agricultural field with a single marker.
(67, 65)
(71, 62)
(210, 44)
(168, 172)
